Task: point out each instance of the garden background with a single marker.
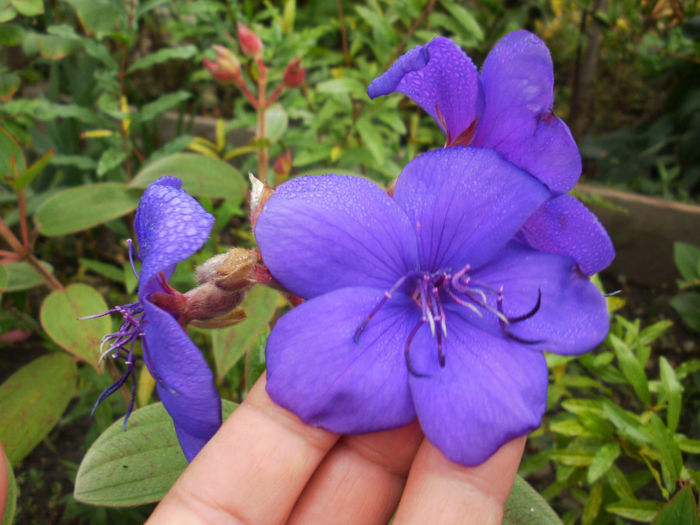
(101, 97)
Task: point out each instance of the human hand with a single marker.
(266, 466)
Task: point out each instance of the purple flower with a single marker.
(170, 226)
(508, 108)
(426, 305)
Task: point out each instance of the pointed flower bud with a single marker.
(294, 74)
(283, 164)
(250, 43)
(226, 68)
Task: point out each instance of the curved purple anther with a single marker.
(532, 312)
(407, 354)
(441, 352)
(133, 254)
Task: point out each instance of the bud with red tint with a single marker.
(294, 73)
(283, 164)
(250, 43)
(226, 68)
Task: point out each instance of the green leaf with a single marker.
(9, 84)
(29, 7)
(7, 13)
(22, 276)
(114, 273)
(525, 506)
(666, 446)
(81, 162)
(230, 344)
(200, 175)
(59, 318)
(632, 369)
(136, 466)
(276, 122)
(83, 207)
(602, 461)
(371, 138)
(340, 86)
(32, 401)
(573, 457)
(673, 389)
(9, 148)
(12, 493)
(26, 178)
(3, 278)
(592, 507)
(626, 423)
(98, 17)
(465, 18)
(691, 446)
(159, 106)
(567, 427)
(255, 359)
(110, 159)
(11, 35)
(163, 55)
(635, 509)
(54, 47)
(687, 305)
(681, 509)
(687, 258)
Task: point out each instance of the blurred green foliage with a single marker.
(100, 97)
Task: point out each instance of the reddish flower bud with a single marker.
(294, 73)
(250, 43)
(283, 164)
(226, 68)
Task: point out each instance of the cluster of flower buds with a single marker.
(227, 68)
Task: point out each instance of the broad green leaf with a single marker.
(159, 106)
(29, 7)
(691, 446)
(687, 305)
(54, 47)
(602, 461)
(371, 138)
(134, 466)
(525, 506)
(340, 86)
(7, 13)
(59, 318)
(11, 35)
(12, 493)
(230, 344)
(635, 509)
(255, 358)
(687, 258)
(619, 483)
(83, 207)
(163, 55)
(76, 161)
(672, 387)
(632, 369)
(22, 276)
(682, 509)
(276, 122)
(200, 175)
(32, 401)
(109, 160)
(98, 17)
(567, 427)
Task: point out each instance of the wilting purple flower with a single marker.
(508, 108)
(425, 305)
(170, 226)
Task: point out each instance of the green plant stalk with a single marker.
(262, 107)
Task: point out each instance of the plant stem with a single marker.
(22, 208)
(262, 103)
(343, 34)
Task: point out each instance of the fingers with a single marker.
(361, 479)
(439, 491)
(252, 471)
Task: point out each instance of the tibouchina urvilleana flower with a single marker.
(508, 107)
(170, 226)
(422, 305)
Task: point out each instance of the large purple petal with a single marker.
(438, 75)
(563, 225)
(317, 370)
(572, 317)
(170, 226)
(184, 381)
(517, 121)
(321, 233)
(490, 391)
(465, 204)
